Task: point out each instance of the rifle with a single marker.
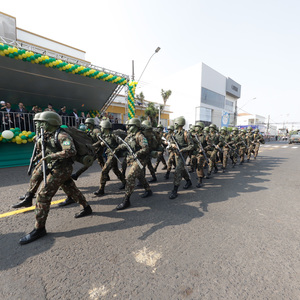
(231, 148)
(106, 144)
(44, 166)
(202, 149)
(181, 156)
(32, 159)
(131, 152)
(218, 148)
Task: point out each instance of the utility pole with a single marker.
(268, 126)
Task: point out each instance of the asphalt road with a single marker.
(237, 237)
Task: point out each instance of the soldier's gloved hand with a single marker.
(47, 159)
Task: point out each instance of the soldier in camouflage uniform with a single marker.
(257, 139)
(185, 144)
(171, 159)
(139, 144)
(153, 147)
(243, 148)
(59, 150)
(235, 143)
(160, 154)
(192, 154)
(212, 140)
(224, 137)
(249, 142)
(111, 162)
(200, 154)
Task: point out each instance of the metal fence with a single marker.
(24, 121)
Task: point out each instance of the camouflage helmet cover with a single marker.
(180, 121)
(134, 122)
(171, 127)
(199, 124)
(146, 124)
(105, 124)
(89, 121)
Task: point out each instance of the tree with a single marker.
(152, 112)
(140, 97)
(165, 95)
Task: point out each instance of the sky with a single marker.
(256, 43)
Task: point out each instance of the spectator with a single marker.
(63, 113)
(22, 117)
(74, 120)
(49, 108)
(97, 120)
(7, 117)
(116, 121)
(31, 116)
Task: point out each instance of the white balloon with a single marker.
(7, 134)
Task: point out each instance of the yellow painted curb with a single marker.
(22, 210)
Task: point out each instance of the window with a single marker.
(212, 98)
(229, 105)
(203, 114)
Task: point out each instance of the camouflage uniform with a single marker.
(243, 146)
(212, 140)
(235, 143)
(171, 159)
(160, 154)
(200, 158)
(249, 142)
(257, 139)
(60, 170)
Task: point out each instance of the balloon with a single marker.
(24, 141)
(7, 134)
(23, 137)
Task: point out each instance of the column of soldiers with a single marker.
(205, 147)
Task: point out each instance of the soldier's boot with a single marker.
(223, 168)
(122, 187)
(154, 179)
(216, 170)
(147, 193)
(124, 204)
(139, 184)
(27, 202)
(164, 167)
(33, 235)
(68, 201)
(155, 167)
(187, 184)
(108, 178)
(248, 159)
(23, 197)
(74, 176)
(167, 175)
(86, 211)
(174, 194)
(100, 192)
(199, 184)
(192, 169)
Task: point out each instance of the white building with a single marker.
(200, 93)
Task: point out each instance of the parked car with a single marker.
(295, 138)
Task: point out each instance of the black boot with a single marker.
(146, 194)
(27, 202)
(154, 179)
(223, 168)
(99, 193)
(124, 204)
(74, 176)
(248, 159)
(187, 184)
(216, 170)
(164, 167)
(174, 194)
(122, 187)
(68, 201)
(33, 235)
(199, 184)
(84, 212)
(167, 175)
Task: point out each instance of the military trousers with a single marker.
(59, 176)
(171, 161)
(180, 170)
(200, 162)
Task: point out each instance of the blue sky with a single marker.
(256, 43)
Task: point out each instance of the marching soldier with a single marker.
(153, 145)
(171, 159)
(226, 141)
(243, 148)
(182, 143)
(137, 145)
(108, 140)
(257, 139)
(59, 150)
(249, 142)
(160, 154)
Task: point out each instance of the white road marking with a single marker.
(284, 146)
(295, 147)
(97, 293)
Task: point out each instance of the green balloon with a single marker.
(63, 126)
(23, 137)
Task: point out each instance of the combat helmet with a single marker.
(134, 122)
(224, 128)
(206, 129)
(105, 124)
(180, 121)
(160, 126)
(89, 121)
(146, 124)
(249, 128)
(256, 130)
(235, 129)
(171, 127)
(213, 126)
(243, 131)
(199, 124)
(36, 117)
(51, 118)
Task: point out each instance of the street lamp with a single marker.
(156, 50)
(246, 103)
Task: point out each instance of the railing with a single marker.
(24, 121)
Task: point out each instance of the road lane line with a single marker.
(22, 210)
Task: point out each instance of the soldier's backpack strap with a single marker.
(57, 132)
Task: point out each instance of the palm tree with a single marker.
(140, 97)
(152, 112)
(165, 95)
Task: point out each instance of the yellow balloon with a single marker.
(18, 142)
(24, 141)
